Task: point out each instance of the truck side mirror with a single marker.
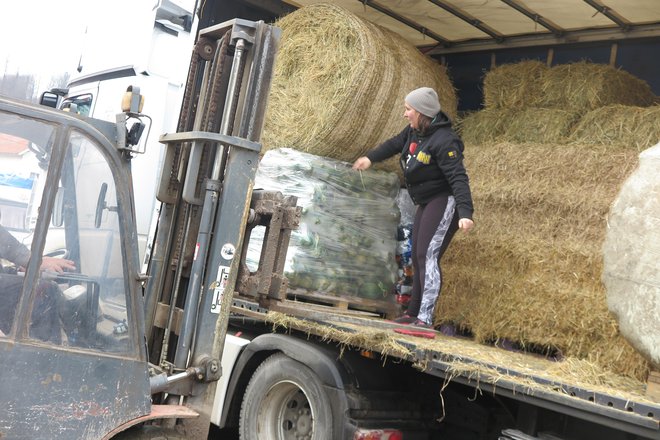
(49, 99)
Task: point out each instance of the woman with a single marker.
(432, 162)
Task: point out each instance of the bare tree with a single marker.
(17, 86)
(61, 80)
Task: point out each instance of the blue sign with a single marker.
(16, 181)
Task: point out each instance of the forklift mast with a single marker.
(205, 190)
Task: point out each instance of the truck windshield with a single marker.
(80, 104)
(79, 298)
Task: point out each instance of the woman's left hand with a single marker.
(465, 224)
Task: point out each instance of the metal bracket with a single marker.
(172, 138)
(240, 30)
(279, 215)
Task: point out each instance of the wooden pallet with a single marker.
(346, 304)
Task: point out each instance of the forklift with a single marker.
(106, 350)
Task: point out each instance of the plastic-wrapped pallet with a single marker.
(346, 242)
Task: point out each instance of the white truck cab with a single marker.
(155, 60)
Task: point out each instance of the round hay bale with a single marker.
(620, 126)
(630, 257)
(485, 126)
(535, 125)
(340, 81)
(540, 125)
(514, 86)
(531, 270)
(585, 86)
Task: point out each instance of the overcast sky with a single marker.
(43, 38)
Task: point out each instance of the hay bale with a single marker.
(485, 126)
(430, 72)
(540, 125)
(630, 256)
(535, 125)
(577, 87)
(530, 271)
(586, 86)
(514, 86)
(620, 126)
(340, 81)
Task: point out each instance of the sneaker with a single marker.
(420, 323)
(405, 319)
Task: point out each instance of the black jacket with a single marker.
(432, 163)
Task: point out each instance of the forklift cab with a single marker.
(72, 344)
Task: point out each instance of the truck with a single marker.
(294, 369)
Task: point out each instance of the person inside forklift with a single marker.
(45, 317)
(431, 156)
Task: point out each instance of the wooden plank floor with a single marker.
(342, 304)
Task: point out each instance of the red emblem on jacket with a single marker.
(412, 147)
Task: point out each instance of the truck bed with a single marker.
(568, 386)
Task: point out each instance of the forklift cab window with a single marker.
(92, 303)
(84, 305)
(24, 144)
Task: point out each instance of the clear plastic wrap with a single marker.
(631, 257)
(347, 240)
(406, 207)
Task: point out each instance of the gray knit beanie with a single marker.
(424, 100)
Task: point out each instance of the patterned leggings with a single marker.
(435, 225)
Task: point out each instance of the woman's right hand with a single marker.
(362, 163)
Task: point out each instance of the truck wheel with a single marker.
(285, 400)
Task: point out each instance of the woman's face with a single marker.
(412, 116)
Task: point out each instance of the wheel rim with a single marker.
(285, 413)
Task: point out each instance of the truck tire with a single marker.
(285, 400)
